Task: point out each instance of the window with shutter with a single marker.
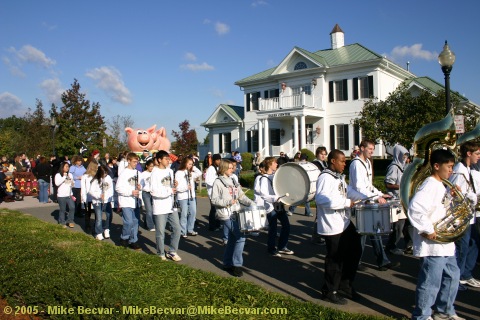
(355, 88)
(332, 137)
(330, 91)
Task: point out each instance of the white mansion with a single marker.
(308, 100)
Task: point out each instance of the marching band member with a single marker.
(439, 275)
(274, 213)
(226, 197)
(466, 248)
(361, 179)
(101, 192)
(334, 198)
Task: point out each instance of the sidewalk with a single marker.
(300, 276)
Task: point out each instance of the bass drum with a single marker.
(298, 179)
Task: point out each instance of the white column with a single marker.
(295, 134)
(303, 135)
(267, 138)
(260, 136)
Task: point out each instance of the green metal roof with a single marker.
(431, 85)
(347, 54)
(329, 58)
(237, 111)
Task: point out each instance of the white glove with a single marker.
(472, 197)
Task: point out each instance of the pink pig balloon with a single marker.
(161, 140)
(139, 139)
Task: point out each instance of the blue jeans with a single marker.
(98, 217)
(272, 218)
(376, 241)
(188, 215)
(160, 223)
(308, 212)
(43, 190)
(130, 224)
(466, 251)
(236, 242)
(62, 203)
(437, 286)
(147, 202)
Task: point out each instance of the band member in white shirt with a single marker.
(361, 179)
(334, 199)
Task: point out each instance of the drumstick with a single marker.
(355, 202)
(286, 195)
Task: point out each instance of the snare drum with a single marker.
(373, 219)
(298, 179)
(251, 218)
(395, 210)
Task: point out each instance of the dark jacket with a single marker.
(43, 171)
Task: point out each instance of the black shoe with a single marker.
(408, 250)
(350, 293)
(362, 267)
(333, 297)
(237, 271)
(391, 265)
(134, 246)
(228, 268)
(124, 243)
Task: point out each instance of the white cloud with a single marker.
(49, 27)
(207, 21)
(190, 56)
(10, 105)
(30, 54)
(414, 51)
(110, 80)
(257, 3)
(53, 90)
(197, 67)
(14, 70)
(222, 28)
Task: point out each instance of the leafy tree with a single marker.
(117, 140)
(11, 137)
(79, 122)
(398, 118)
(186, 139)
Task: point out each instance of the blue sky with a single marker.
(162, 62)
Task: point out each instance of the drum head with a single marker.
(291, 178)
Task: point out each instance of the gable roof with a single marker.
(237, 113)
(431, 85)
(352, 53)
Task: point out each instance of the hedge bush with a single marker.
(247, 161)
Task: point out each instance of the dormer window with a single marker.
(300, 66)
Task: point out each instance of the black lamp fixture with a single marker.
(446, 58)
(53, 125)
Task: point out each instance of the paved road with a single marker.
(299, 276)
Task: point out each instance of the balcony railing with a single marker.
(286, 102)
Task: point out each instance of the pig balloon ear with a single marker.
(152, 129)
(162, 132)
(128, 130)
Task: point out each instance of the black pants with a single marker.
(77, 193)
(343, 255)
(213, 222)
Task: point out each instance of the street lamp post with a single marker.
(53, 125)
(446, 58)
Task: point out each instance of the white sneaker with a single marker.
(162, 257)
(106, 233)
(173, 256)
(471, 282)
(99, 237)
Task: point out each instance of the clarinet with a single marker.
(172, 184)
(136, 188)
(188, 176)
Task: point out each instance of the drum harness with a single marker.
(234, 193)
(341, 186)
(277, 205)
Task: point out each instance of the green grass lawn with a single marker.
(45, 266)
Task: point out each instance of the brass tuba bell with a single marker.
(438, 135)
